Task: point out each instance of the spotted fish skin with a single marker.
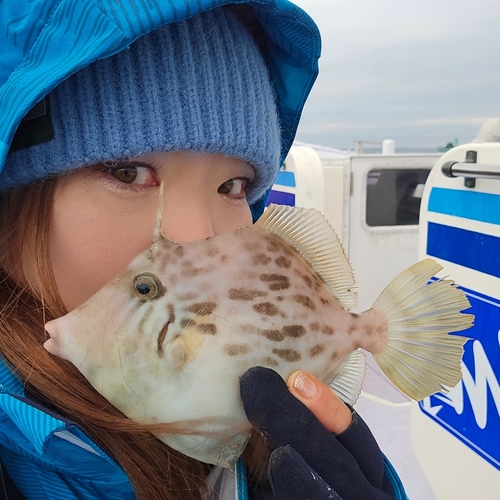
(224, 304)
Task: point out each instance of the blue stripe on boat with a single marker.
(477, 251)
(285, 179)
(484, 207)
(281, 198)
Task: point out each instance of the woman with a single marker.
(95, 117)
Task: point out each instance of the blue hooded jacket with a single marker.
(42, 43)
(45, 41)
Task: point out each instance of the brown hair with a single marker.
(28, 299)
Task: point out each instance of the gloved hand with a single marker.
(309, 461)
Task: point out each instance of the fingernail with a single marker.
(305, 386)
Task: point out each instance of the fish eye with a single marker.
(146, 286)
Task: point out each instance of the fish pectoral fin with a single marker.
(187, 345)
(174, 354)
(317, 242)
(421, 357)
(349, 381)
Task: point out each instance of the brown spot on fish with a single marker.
(324, 301)
(236, 349)
(276, 281)
(173, 279)
(369, 330)
(305, 301)
(316, 349)
(334, 355)
(267, 362)
(184, 322)
(186, 263)
(272, 245)
(223, 258)
(279, 298)
(213, 251)
(278, 286)
(195, 271)
(314, 327)
(251, 245)
(245, 294)
(287, 354)
(208, 328)
(274, 335)
(146, 314)
(283, 262)
(171, 313)
(266, 308)
(202, 308)
(307, 280)
(188, 296)
(179, 251)
(327, 330)
(261, 259)
(294, 331)
(191, 272)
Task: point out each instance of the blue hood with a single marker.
(45, 41)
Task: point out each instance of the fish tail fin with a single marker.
(421, 357)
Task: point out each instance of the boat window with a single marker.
(393, 196)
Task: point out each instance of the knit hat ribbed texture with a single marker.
(198, 85)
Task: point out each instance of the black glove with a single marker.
(309, 462)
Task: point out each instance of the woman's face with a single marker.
(103, 217)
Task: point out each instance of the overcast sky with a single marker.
(420, 72)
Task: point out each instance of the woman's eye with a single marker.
(133, 174)
(234, 187)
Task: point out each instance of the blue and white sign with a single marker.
(471, 410)
(283, 190)
(460, 228)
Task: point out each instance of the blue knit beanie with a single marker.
(198, 85)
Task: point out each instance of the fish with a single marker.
(167, 339)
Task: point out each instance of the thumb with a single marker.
(326, 406)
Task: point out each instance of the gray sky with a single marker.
(420, 72)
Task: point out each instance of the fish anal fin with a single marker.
(421, 356)
(308, 232)
(349, 381)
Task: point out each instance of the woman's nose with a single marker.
(188, 220)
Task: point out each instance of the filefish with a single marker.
(168, 338)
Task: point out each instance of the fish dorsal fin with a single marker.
(349, 381)
(307, 230)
